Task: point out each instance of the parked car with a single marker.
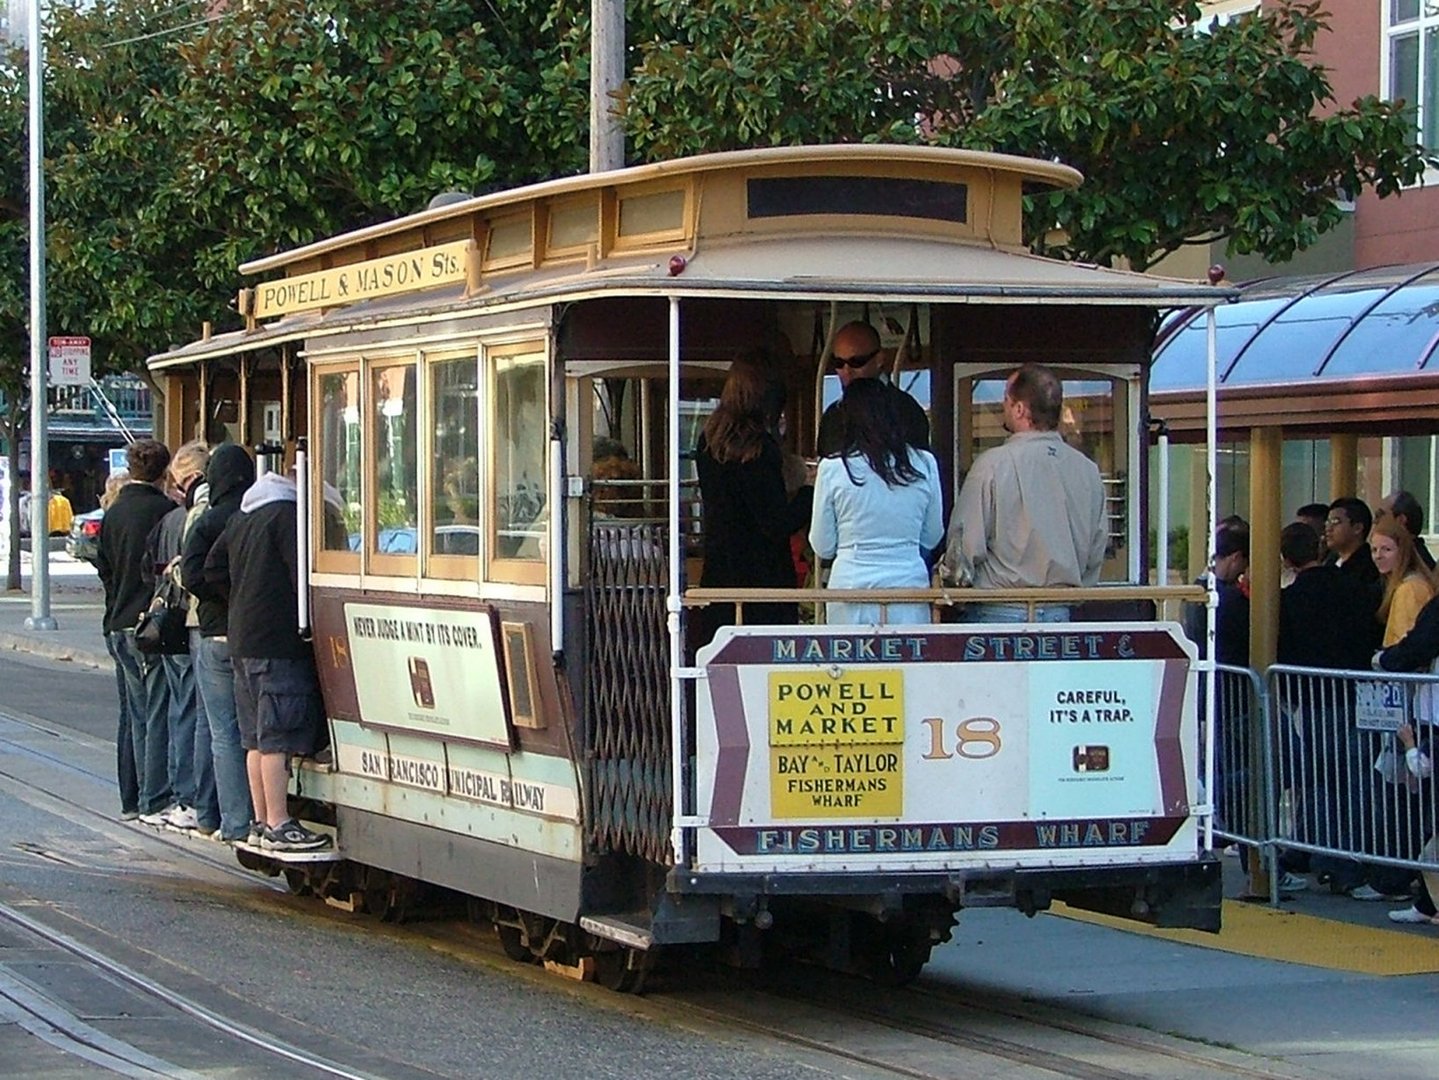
(401, 540)
(83, 542)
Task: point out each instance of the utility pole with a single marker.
(607, 71)
(40, 618)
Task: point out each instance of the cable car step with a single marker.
(631, 928)
(322, 856)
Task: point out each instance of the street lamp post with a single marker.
(40, 617)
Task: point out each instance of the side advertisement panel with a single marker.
(943, 746)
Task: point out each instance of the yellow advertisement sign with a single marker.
(836, 743)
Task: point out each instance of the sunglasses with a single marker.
(855, 361)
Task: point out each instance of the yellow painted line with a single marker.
(1261, 931)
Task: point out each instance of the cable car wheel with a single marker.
(298, 880)
(891, 954)
(623, 970)
(251, 860)
(389, 897)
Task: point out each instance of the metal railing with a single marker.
(1344, 792)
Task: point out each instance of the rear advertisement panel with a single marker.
(945, 745)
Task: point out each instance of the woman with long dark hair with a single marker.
(877, 508)
(748, 514)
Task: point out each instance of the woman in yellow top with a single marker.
(1408, 585)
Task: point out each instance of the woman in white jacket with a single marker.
(877, 508)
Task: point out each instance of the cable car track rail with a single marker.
(217, 860)
(896, 1013)
(180, 1002)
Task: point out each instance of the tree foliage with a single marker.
(300, 119)
(1184, 137)
(186, 138)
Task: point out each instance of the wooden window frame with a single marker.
(332, 562)
(570, 252)
(451, 567)
(497, 569)
(649, 241)
(523, 260)
(382, 565)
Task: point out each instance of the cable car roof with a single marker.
(892, 223)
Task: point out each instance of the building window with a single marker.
(1412, 62)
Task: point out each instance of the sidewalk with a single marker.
(77, 604)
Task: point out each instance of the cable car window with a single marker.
(340, 469)
(789, 196)
(1092, 422)
(519, 509)
(455, 452)
(396, 497)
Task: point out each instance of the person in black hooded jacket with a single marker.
(255, 565)
(121, 561)
(229, 475)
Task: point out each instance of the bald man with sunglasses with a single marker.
(857, 354)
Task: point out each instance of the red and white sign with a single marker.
(69, 361)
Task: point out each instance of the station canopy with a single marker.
(1345, 352)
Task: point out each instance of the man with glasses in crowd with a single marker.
(1346, 535)
(857, 354)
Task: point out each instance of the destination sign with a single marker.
(409, 271)
(835, 743)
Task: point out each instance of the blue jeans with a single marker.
(125, 774)
(216, 683)
(149, 701)
(180, 680)
(1014, 613)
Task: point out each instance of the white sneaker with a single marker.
(1369, 892)
(157, 818)
(1293, 883)
(1411, 914)
(182, 817)
(218, 836)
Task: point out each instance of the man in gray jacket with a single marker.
(1031, 511)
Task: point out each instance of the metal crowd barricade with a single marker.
(1243, 796)
(1343, 791)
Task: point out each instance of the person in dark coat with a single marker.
(857, 354)
(255, 566)
(1318, 611)
(1346, 534)
(748, 514)
(122, 562)
(1407, 511)
(229, 476)
(1418, 651)
(192, 783)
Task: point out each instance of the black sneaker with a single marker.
(256, 834)
(292, 836)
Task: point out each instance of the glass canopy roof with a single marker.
(1383, 321)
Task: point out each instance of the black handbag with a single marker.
(161, 629)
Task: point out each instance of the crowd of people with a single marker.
(1359, 592)
(207, 725)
